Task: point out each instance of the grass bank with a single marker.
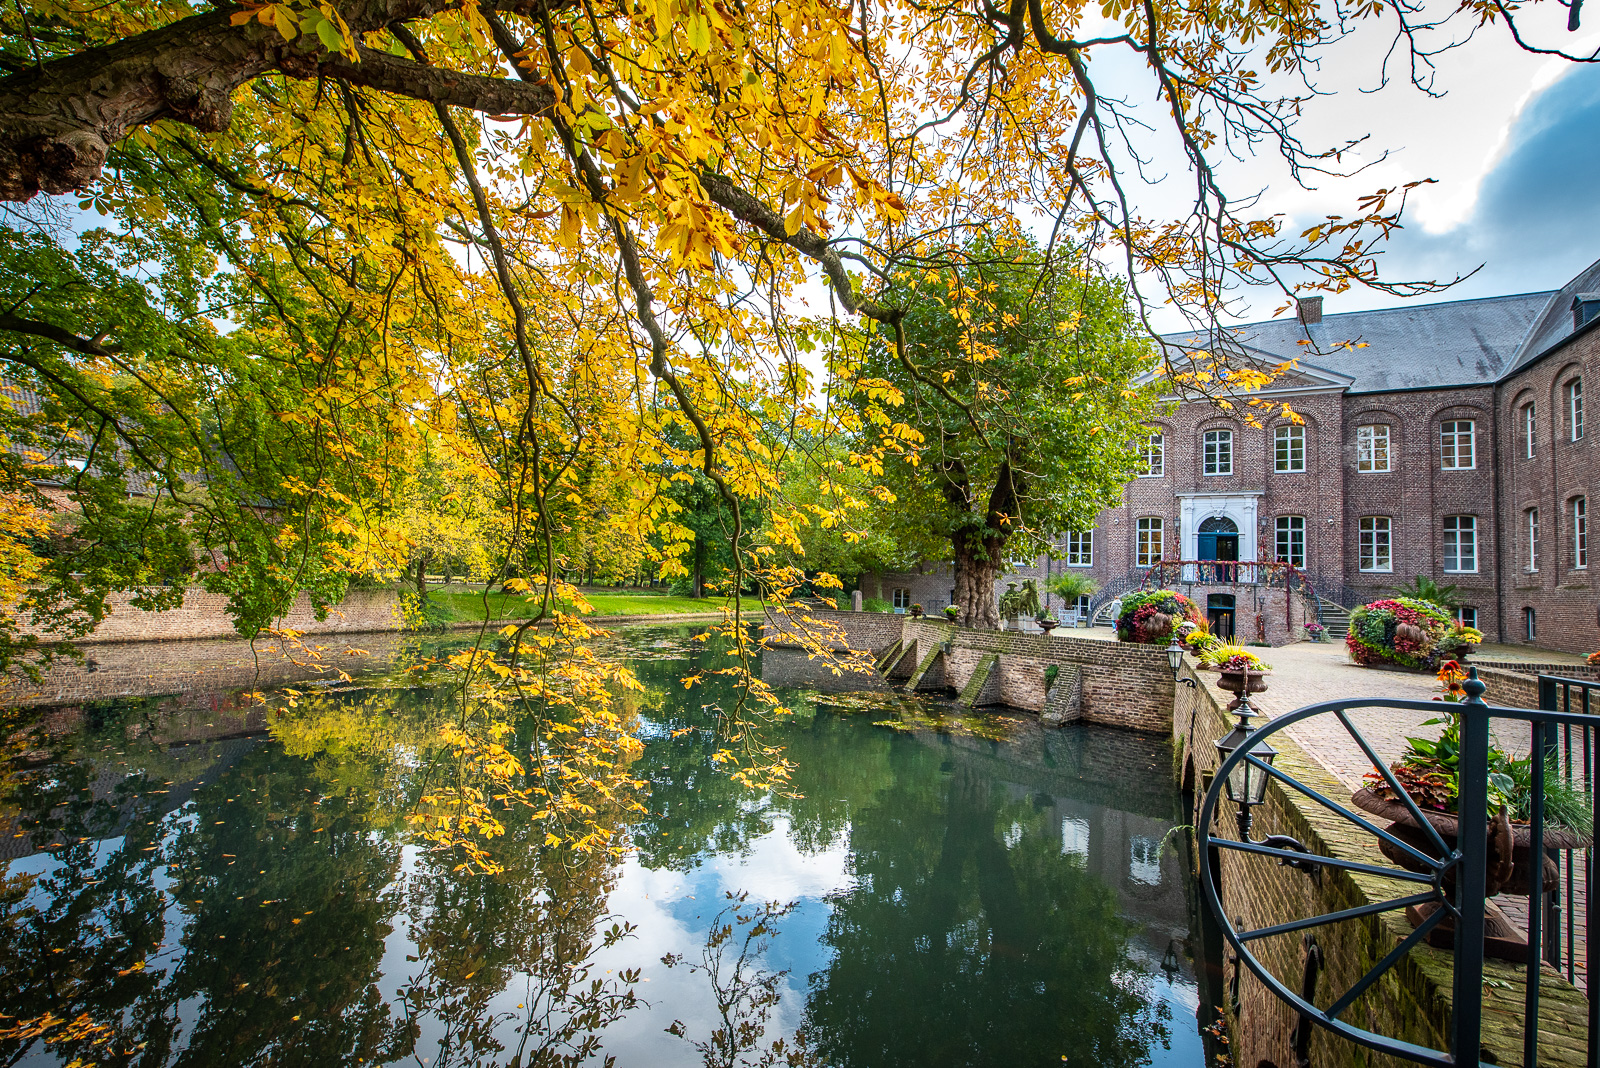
(470, 606)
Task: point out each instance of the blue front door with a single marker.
(1208, 546)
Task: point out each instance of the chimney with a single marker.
(1308, 310)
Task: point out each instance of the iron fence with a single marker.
(1570, 754)
(1447, 877)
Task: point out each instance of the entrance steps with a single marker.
(1335, 617)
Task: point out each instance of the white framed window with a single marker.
(1460, 543)
(1081, 606)
(1575, 409)
(1530, 427)
(1375, 543)
(1150, 539)
(1292, 540)
(1530, 627)
(1530, 531)
(1289, 448)
(1218, 456)
(902, 599)
(1467, 616)
(1372, 447)
(1154, 457)
(1580, 532)
(1080, 549)
(1458, 445)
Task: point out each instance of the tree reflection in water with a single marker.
(203, 901)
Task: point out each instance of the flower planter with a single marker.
(1048, 625)
(1509, 867)
(1237, 682)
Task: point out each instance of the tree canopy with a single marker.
(1019, 382)
(577, 242)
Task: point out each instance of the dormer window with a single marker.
(1585, 308)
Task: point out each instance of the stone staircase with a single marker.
(1335, 617)
(1064, 701)
(980, 690)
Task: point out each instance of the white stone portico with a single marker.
(1196, 508)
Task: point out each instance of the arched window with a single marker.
(1219, 524)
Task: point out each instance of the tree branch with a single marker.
(59, 120)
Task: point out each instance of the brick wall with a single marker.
(1128, 686)
(1416, 493)
(1562, 595)
(1124, 685)
(871, 632)
(204, 615)
(205, 674)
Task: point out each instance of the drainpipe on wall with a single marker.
(1494, 499)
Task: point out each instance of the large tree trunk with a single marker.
(975, 579)
(980, 546)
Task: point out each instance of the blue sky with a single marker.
(1536, 219)
(1511, 144)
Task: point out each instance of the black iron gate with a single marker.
(1448, 877)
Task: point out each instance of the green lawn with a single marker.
(516, 606)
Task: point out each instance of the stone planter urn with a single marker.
(1509, 868)
(1241, 682)
(1047, 625)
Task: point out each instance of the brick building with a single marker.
(1445, 440)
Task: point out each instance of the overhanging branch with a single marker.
(58, 121)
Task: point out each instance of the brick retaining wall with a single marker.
(204, 673)
(204, 614)
(1124, 685)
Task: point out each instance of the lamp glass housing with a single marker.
(1174, 655)
(1246, 784)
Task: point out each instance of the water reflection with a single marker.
(197, 890)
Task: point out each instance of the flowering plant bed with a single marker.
(1150, 616)
(1398, 630)
(1233, 658)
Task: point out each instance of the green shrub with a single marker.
(876, 604)
(1139, 608)
(1375, 632)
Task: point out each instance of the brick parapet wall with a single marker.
(1411, 1002)
(204, 673)
(869, 632)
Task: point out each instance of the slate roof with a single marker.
(24, 401)
(1555, 322)
(1422, 346)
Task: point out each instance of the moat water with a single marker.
(945, 891)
